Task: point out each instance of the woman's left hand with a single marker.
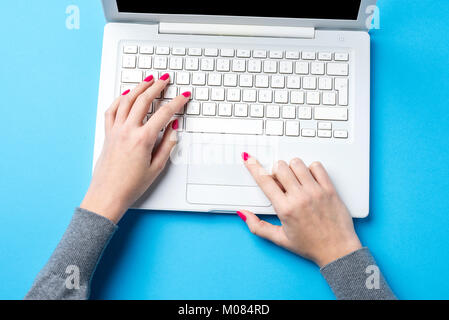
(130, 160)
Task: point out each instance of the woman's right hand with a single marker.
(315, 222)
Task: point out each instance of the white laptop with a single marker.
(273, 81)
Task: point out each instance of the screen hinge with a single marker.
(236, 30)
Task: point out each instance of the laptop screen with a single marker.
(316, 9)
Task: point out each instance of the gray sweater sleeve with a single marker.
(69, 270)
(356, 276)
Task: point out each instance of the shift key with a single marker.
(332, 113)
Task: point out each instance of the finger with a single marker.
(302, 172)
(263, 228)
(263, 179)
(109, 116)
(162, 152)
(142, 104)
(162, 116)
(286, 177)
(321, 176)
(128, 100)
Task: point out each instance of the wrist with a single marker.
(110, 208)
(338, 251)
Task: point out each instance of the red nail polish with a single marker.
(186, 94)
(245, 156)
(125, 92)
(164, 76)
(149, 78)
(241, 215)
(175, 124)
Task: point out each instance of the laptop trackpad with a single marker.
(217, 175)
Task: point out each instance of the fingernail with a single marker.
(186, 94)
(245, 156)
(164, 76)
(125, 92)
(241, 215)
(149, 78)
(175, 124)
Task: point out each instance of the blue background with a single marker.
(49, 81)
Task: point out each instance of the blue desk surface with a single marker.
(49, 81)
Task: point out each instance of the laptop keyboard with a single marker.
(247, 91)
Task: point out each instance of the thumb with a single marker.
(263, 228)
(163, 150)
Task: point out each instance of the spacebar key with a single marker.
(232, 126)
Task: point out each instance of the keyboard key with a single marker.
(193, 108)
(214, 79)
(293, 82)
(192, 64)
(269, 66)
(183, 78)
(329, 98)
(209, 109)
(273, 111)
(309, 83)
(331, 113)
(286, 67)
(176, 63)
(292, 128)
(277, 82)
(308, 55)
(317, 68)
(225, 109)
(256, 110)
(259, 54)
(265, 96)
(178, 51)
(341, 85)
(194, 51)
(241, 110)
(199, 79)
(276, 54)
(202, 93)
(238, 65)
(146, 49)
(227, 52)
(223, 65)
(325, 56)
(170, 92)
(274, 127)
(230, 80)
(207, 64)
(325, 83)
(160, 62)
(281, 96)
(302, 67)
(246, 80)
(220, 125)
(242, 53)
(211, 52)
(145, 62)
(129, 49)
(305, 113)
(324, 133)
(289, 112)
(163, 50)
(297, 97)
(308, 132)
(324, 125)
(337, 69)
(129, 61)
(249, 95)
(261, 81)
(254, 66)
(341, 56)
(341, 134)
(313, 97)
(292, 55)
(217, 94)
(131, 76)
(233, 95)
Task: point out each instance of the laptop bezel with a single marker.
(113, 15)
